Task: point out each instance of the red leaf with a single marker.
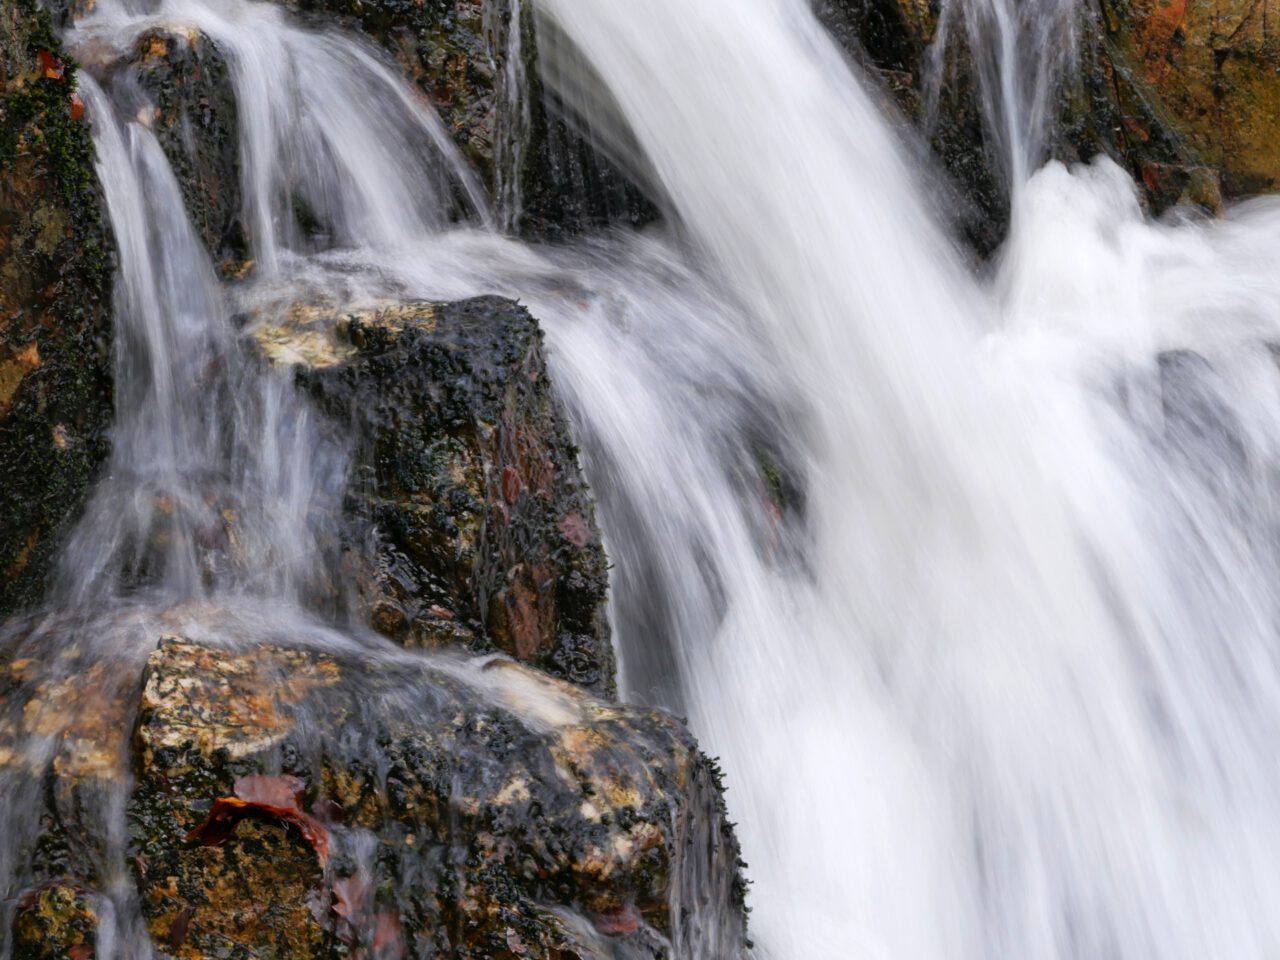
(77, 107)
(50, 66)
(178, 932)
(81, 951)
(272, 799)
(575, 530)
(386, 935)
(349, 895)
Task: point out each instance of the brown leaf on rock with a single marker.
(349, 895)
(266, 798)
(387, 941)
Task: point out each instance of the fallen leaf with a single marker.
(625, 920)
(386, 935)
(50, 66)
(178, 932)
(264, 798)
(349, 894)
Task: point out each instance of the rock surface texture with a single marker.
(55, 302)
(284, 802)
(471, 523)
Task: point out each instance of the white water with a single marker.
(1025, 704)
(1007, 688)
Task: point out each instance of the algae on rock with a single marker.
(55, 304)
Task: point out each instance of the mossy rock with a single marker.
(55, 305)
(58, 921)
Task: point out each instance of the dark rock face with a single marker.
(55, 304)
(478, 527)
(186, 81)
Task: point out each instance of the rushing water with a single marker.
(998, 677)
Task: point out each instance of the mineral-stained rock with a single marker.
(1216, 70)
(478, 522)
(55, 276)
(454, 810)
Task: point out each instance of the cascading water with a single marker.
(971, 585)
(1018, 700)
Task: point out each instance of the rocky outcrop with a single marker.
(1154, 88)
(190, 105)
(55, 302)
(291, 802)
(472, 524)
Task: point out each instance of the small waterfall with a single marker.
(514, 116)
(1015, 700)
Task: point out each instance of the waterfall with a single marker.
(971, 582)
(1018, 696)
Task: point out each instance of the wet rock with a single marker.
(479, 529)
(58, 921)
(55, 302)
(188, 101)
(525, 143)
(1110, 104)
(457, 810)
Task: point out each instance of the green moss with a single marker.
(55, 306)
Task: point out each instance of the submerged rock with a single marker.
(55, 303)
(474, 526)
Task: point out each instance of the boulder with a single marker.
(55, 304)
(472, 524)
(304, 802)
